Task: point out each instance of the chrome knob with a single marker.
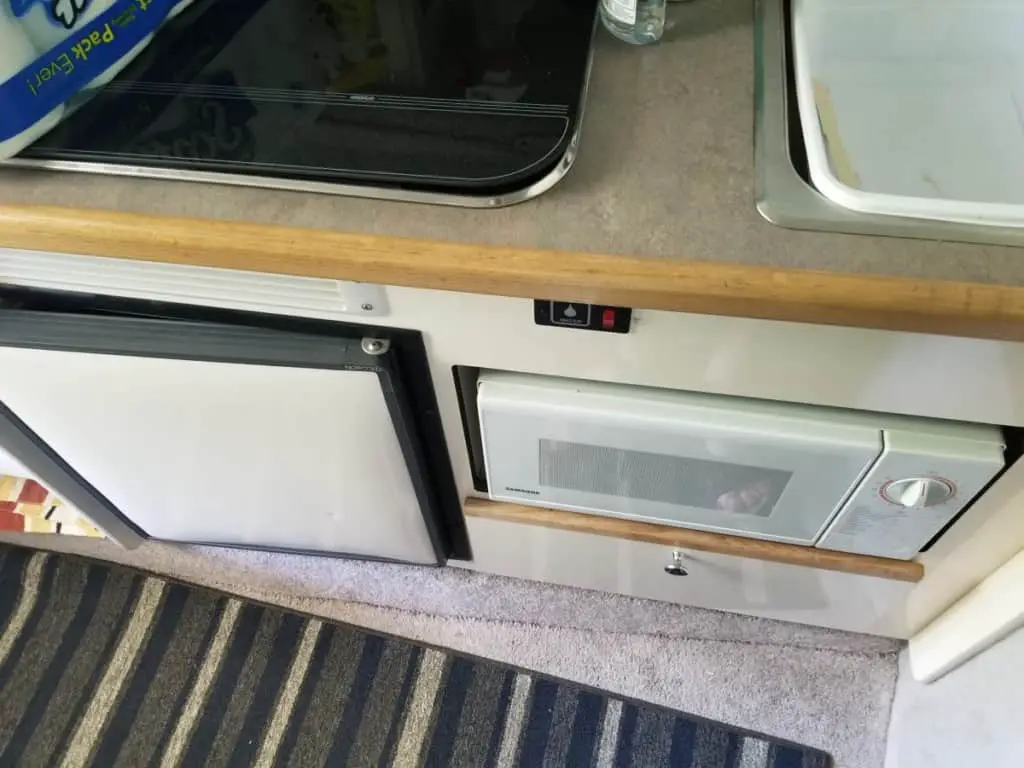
(676, 567)
(375, 347)
(917, 492)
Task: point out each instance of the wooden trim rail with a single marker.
(870, 301)
(670, 536)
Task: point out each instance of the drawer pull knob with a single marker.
(676, 567)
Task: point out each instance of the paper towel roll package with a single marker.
(53, 50)
(16, 52)
(47, 29)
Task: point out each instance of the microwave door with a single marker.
(748, 468)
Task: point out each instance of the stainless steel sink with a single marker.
(784, 195)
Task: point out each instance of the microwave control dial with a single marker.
(917, 492)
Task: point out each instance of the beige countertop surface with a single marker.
(665, 171)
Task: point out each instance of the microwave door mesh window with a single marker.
(690, 482)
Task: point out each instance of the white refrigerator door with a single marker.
(228, 453)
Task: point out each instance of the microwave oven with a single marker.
(866, 483)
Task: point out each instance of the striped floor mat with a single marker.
(104, 666)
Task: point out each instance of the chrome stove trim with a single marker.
(297, 185)
(783, 197)
(535, 189)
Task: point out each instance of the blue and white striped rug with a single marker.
(104, 666)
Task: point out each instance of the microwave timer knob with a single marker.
(917, 492)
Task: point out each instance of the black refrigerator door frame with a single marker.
(49, 320)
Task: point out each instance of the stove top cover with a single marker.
(476, 98)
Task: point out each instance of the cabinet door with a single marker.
(229, 435)
(721, 582)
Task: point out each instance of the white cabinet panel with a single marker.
(930, 375)
(723, 582)
(228, 453)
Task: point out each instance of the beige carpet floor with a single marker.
(831, 690)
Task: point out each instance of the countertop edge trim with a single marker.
(703, 541)
(702, 287)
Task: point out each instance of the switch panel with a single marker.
(587, 317)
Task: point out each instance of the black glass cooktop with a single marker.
(465, 97)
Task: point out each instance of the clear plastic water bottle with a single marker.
(640, 22)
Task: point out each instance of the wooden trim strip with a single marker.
(870, 301)
(738, 546)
